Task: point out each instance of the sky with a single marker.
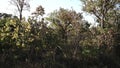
(49, 5)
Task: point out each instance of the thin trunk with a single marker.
(20, 16)
(76, 44)
(102, 22)
(103, 14)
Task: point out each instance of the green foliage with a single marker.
(104, 11)
(64, 41)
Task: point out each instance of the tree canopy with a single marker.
(62, 39)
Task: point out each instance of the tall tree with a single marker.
(70, 27)
(100, 8)
(38, 13)
(21, 5)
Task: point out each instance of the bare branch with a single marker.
(21, 5)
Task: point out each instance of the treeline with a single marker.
(62, 39)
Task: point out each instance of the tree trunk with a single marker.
(20, 16)
(102, 23)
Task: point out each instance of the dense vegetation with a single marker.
(62, 39)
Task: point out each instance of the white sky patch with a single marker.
(90, 18)
(49, 5)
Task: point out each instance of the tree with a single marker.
(21, 5)
(4, 15)
(39, 11)
(101, 9)
(107, 14)
(70, 27)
